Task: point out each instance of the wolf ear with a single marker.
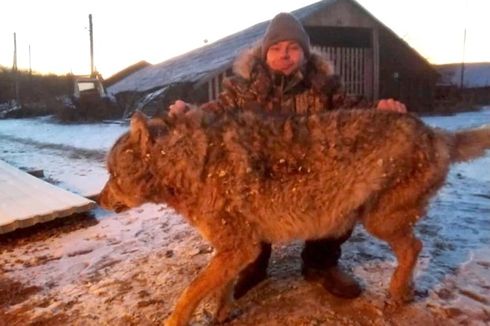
(139, 132)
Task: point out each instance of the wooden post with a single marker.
(461, 85)
(375, 64)
(92, 70)
(16, 72)
(30, 66)
(30, 76)
(216, 86)
(210, 89)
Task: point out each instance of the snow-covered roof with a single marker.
(207, 60)
(27, 200)
(191, 66)
(475, 74)
(211, 59)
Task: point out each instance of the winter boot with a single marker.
(335, 280)
(320, 265)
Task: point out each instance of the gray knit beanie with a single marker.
(285, 27)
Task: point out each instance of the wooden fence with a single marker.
(354, 66)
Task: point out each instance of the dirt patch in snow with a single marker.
(129, 269)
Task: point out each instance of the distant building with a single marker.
(468, 83)
(476, 74)
(370, 58)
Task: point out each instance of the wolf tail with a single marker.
(470, 144)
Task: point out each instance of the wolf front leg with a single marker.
(397, 230)
(225, 301)
(220, 272)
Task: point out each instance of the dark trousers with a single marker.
(318, 254)
(323, 253)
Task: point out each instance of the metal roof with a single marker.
(191, 66)
(207, 60)
(26, 200)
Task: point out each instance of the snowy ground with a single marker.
(129, 268)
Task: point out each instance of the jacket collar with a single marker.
(316, 72)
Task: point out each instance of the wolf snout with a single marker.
(102, 201)
(107, 200)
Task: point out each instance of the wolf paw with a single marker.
(395, 302)
(172, 321)
(226, 315)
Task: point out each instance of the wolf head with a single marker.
(155, 161)
(130, 177)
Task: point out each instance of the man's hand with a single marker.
(391, 105)
(178, 108)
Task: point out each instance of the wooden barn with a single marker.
(370, 58)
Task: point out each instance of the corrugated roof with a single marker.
(196, 64)
(191, 66)
(125, 72)
(210, 59)
(26, 200)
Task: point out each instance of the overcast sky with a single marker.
(129, 31)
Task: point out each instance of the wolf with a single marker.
(245, 177)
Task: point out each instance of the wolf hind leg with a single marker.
(397, 230)
(220, 272)
(406, 248)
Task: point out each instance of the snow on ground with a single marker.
(72, 155)
(129, 268)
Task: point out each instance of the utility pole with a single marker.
(461, 85)
(30, 65)
(16, 72)
(30, 76)
(92, 70)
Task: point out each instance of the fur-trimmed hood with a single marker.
(317, 73)
(315, 88)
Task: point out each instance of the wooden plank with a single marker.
(376, 63)
(26, 200)
(362, 54)
(368, 75)
(348, 70)
(359, 71)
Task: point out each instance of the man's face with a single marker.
(285, 57)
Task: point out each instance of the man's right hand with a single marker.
(178, 108)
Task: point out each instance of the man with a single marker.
(281, 74)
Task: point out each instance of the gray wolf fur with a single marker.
(243, 178)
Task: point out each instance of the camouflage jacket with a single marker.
(313, 89)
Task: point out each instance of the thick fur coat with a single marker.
(243, 178)
(313, 89)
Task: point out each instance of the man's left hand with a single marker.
(391, 105)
